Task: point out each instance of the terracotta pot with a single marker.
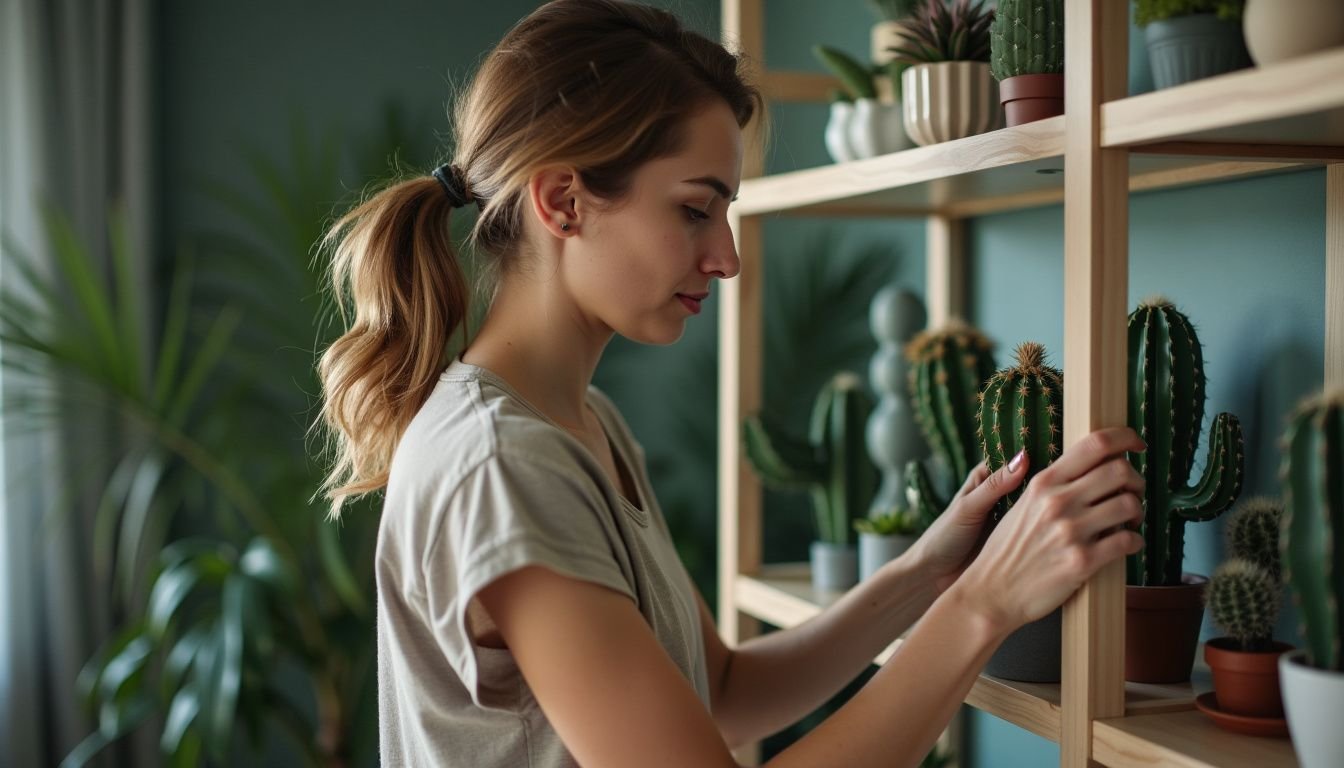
(1032, 653)
(949, 100)
(1283, 29)
(1246, 682)
(1162, 630)
(1028, 98)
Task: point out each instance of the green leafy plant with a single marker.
(939, 33)
(1166, 409)
(1243, 599)
(897, 521)
(1027, 38)
(893, 10)
(855, 77)
(1022, 409)
(1313, 561)
(1148, 11)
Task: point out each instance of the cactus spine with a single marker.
(1166, 408)
(1027, 38)
(1253, 533)
(832, 463)
(1313, 481)
(948, 367)
(1022, 408)
(1244, 601)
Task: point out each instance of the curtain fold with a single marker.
(77, 117)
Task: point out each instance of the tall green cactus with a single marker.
(1313, 563)
(1166, 408)
(832, 463)
(1022, 408)
(948, 368)
(1027, 38)
(1244, 600)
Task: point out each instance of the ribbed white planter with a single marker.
(1282, 29)
(949, 100)
(1312, 701)
(837, 132)
(876, 129)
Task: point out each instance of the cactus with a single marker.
(1313, 564)
(1253, 533)
(948, 367)
(1166, 408)
(832, 463)
(1022, 408)
(1027, 38)
(1244, 601)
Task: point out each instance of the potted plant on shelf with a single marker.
(1163, 606)
(1026, 43)
(948, 368)
(831, 464)
(1313, 565)
(883, 537)
(1191, 39)
(947, 90)
(1018, 408)
(861, 125)
(887, 32)
(1243, 597)
(895, 315)
(1285, 29)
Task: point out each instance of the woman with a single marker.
(531, 607)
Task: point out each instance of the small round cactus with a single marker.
(1244, 601)
(1253, 533)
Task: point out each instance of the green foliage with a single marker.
(1022, 409)
(1244, 601)
(1166, 409)
(1027, 38)
(1148, 11)
(1313, 561)
(939, 33)
(856, 78)
(893, 10)
(893, 522)
(1253, 533)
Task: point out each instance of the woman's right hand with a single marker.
(1074, 517)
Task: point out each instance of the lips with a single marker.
(692, 301)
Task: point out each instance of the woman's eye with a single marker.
(695, 214)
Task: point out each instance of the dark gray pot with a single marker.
(1032, 653)
(1193, 47)
(835, 568)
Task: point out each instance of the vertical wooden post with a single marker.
(944, 269)
(1334, 275)
(1096, 288)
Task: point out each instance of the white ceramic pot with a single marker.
(835, 568)
(949, 100)
(1283, 29)
(837, 132)
(876, 129)
(876, 551)
(1312, 701)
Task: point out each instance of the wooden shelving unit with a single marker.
(1283, 118)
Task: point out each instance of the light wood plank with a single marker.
(743, 32)
(1253, 105)
(1334, 276)
(1300, 153)
(1184, 740)
(944, 269)
(1096, 279)
(806, 87)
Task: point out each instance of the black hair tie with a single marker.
(454, 183)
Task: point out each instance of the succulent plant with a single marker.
(948, 368)
(1027, 38)
(832, 463)
(855, 77)
(937, 33)
(1253, 533)
(1244, 601)
(1022, 408)
(897, 521)
(1166, 408)
(1148, 11)
(1313, 563)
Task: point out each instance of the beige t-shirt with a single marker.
(483, 484)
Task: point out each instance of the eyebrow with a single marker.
(717, 185)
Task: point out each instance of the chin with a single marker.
(658, 337)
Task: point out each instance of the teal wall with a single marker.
(1244, 259)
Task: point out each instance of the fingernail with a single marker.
(1016, 462)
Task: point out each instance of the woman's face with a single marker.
(643, 267)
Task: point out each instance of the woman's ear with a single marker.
(555, 193)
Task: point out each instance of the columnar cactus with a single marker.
(831, 463)
(1166, 408)
(948, 368)
(1027, 38)
(1253, 533)
(1022, 408)
(1244, 601)
(1313, 564)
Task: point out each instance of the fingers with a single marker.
(1093, 450)
(973, 480)
(1121, 543)
(997, 484)
(1114, 476)
(1122, 510)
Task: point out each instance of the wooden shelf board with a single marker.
(782, 595)
(1183, 740)
(1299, 101)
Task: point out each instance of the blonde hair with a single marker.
(600, 85)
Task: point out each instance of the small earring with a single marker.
(565, 226)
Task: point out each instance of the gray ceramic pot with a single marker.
(876, 551)
(835, 568)
(1032, 653)
(1312, 701)
(1193, 47)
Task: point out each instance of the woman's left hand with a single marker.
(950, 544)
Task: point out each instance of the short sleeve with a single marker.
(507, 513)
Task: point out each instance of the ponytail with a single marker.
(392, 258)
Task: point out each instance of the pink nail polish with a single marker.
(1016, 462)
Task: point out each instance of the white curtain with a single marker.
(76, 118)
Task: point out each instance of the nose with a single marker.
(721, 258)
